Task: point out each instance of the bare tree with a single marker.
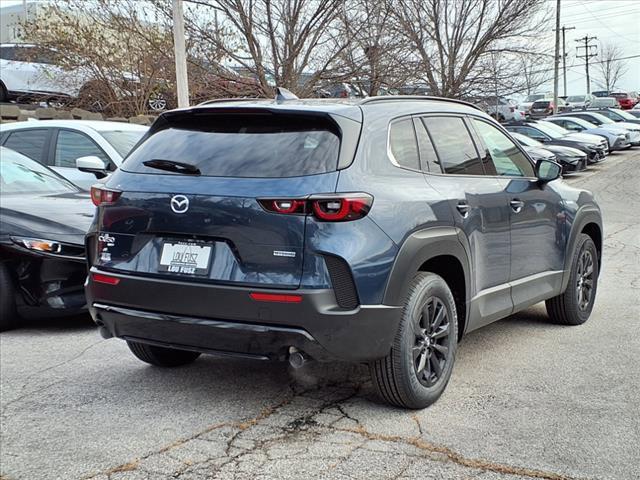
(610, 68)
(289, 43)
(536, 70)
(454, 40)
(377, 56)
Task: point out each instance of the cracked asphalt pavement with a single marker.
(527, 399)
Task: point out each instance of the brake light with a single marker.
(108, 279)
(327, 208)
(275, 297)
(104, 196)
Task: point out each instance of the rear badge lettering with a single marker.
(108, 239)
(283, 253)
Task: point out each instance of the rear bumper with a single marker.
(225, 320)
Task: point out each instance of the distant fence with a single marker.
(13, 113)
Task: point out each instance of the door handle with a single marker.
(516, 205)
(463, 208)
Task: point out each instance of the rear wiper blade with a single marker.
(173, 166)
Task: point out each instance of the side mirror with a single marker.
(92, 164)
(547, 171)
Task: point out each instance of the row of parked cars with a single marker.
(375, 230)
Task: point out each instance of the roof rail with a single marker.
(387, 98)
(226, 100)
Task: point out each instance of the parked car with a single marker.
(528, 101)
(571, 159)
(543, 108)
(99, 145)
(503, 109)
(545, 132)
(617, 139)
(577, 102)
(625, 100)
(32, 71)
(617, 115)
(43, 221)
(600, 120)
(289, 229)
(605, 102)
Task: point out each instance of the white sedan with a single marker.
(79, 150)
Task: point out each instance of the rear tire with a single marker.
(416, 371)
(8, 311)
(162, 356)
(574, 306)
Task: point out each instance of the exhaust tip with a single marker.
(104, 332)
(297, 358)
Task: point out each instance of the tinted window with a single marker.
(430, 162)
(507, 158)
(453, 143)
(402, 143)
(73, 145)
(19, 174)
(29, 142)
(7, 53)
(262, 146)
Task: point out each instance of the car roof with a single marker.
(347, 107)
(97, 125)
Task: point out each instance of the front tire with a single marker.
(574, 306)
(416, 371)
(7, 299)
(162, 356)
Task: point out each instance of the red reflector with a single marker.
(275, 297)
(109, 280)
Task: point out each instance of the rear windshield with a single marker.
(541, 104)
(257, 146)
(575, 98)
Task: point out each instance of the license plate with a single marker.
(186, 258)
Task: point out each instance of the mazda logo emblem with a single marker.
(179, 204)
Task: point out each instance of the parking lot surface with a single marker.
(527, 399)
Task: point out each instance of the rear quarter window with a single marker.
(250, 146)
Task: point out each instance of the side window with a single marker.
(73, 145)
(7, 53)
(535, 134)
(428, 156)
(30, 143)
(402, 143)
(506, 157)
(453, 143)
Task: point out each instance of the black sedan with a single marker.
(571, 159)
(43, 220)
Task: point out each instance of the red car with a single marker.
(625, 100)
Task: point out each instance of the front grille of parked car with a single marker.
(342, 281)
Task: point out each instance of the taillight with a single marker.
(275, 297)
(342, 207)
(108, 279)
(104, 196)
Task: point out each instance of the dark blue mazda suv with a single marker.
(377, 230)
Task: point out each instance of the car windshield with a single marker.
(601, 118)
(557, 128)
(122, 140)
(524, 140)
(533, 98)
(550, 129)
(20, 174)
(583, 123)
(575, 98)
(623, 114)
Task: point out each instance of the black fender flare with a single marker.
(418, 248)
(585, 215)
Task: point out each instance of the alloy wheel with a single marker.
(584, 283)
(431, 347)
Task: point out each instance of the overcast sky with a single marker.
(611, 21)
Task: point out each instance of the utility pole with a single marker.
(556, 60)
(180, 53)
(564, 58)
(589, 52)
